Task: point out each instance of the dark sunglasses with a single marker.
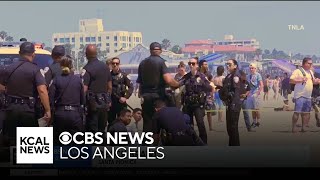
(228, 64)
(191, 63)
(115, 63)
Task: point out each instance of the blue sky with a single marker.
(178, 21)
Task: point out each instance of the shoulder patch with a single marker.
(83, 72)
(42, 72)
(46, 69)
(166, 63)
(198, 79)
(236, 79)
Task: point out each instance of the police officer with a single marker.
(120, 94)
(98, 87)
(20, 107)
(173, 122)
(197, 87)
(231, 95)
(153, 75)
(54, 69)
(67, 97)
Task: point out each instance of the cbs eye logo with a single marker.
(65, 138)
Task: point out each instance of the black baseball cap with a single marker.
(155, 45)
(27, 48)
(58, 50)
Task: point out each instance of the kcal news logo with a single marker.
(34, 145)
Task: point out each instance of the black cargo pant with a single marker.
(69, 121)
(17, 117)
(96, 121)
(232, 119)
(115, 109)
(148, 110)
(199, 114)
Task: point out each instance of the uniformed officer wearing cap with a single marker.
(230, 94)
(20, 107)
(98, 87)
(67, 99)
(173, 122)
(153, 75)
(197, 86)
(122, 89)
(54, 69)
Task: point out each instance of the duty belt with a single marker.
(67, 108)
(17, 100)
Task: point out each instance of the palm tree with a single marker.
(3, 35)
(166, 44)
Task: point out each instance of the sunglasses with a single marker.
(310, 63)
(229, 64)
(191, 63)
(115, 64)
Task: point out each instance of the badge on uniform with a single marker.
(236, 79)
(198, 79)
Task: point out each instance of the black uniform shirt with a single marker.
(24, 81)
(195, 84)
(150, 74)
(54, 70)
(96, 75)
(233, 81)
(169, 118)
(72, 87)
(121, 78)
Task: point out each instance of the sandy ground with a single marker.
(275, 127)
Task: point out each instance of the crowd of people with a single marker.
(96, 101)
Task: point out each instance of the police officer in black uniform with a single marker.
(120, 94)
(173, 122)
(197, 86)
(54, 69)
(67, 97)
(20, 107)
(231, 95)
(153, 75)
(98, 87)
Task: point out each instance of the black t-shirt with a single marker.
(150, 74)
(96, 75)
(169, 118)
(24, 80)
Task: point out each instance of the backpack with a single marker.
(304, 75)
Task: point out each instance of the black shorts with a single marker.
(265, 89)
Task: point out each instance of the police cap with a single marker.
(58, 50)
(155, 45)
(27, 48)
